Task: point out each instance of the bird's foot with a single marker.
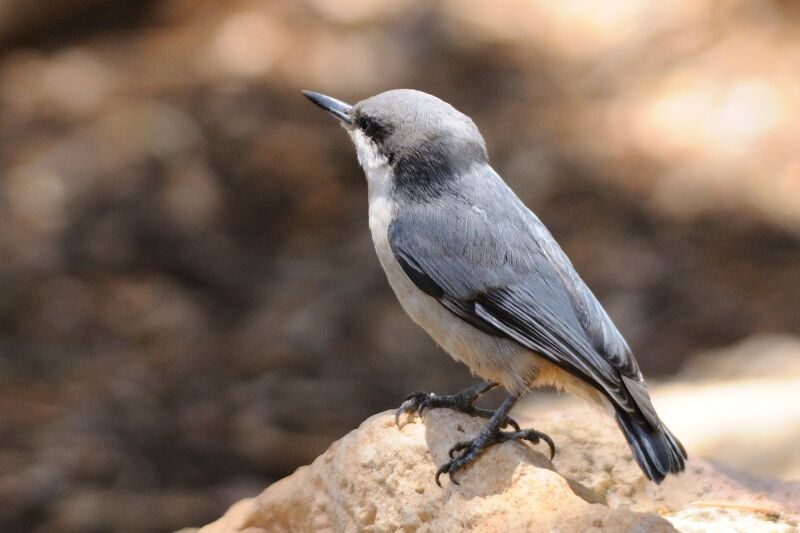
(463, 402)
(466, 452)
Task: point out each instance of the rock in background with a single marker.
(190, 306)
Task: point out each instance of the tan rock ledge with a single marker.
(380, 478)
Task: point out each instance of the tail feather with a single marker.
(657, 451)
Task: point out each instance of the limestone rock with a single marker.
(380, 478)
(708, 496)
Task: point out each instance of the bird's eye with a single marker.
(368, 125)
(371, 128)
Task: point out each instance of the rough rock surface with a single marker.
(380, 478)
(738, 405)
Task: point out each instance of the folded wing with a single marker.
(495, 265)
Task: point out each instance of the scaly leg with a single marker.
(463, 402)
(466, 452)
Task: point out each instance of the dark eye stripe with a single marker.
(371, 128)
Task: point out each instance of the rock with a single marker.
(708, 496)
(380, 478)
(738, 405)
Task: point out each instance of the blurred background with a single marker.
(190, 305)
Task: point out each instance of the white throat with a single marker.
(381, 204)
(376, 165)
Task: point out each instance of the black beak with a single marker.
(335, 107)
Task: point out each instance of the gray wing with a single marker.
(492, 263)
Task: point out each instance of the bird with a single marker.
(483, 276)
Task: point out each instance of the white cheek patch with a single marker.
(376, 166)
(369, 156)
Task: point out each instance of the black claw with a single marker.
(397, 416)
(513, 423)
(550, 443)
(448, 468)
(531, 435)
(413, 404)
(470, 449)
(439, 472)
(417, 403)
(458, 447)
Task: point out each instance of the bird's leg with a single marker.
(463, 402)
(465, 452)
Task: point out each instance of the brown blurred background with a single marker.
(190, 306)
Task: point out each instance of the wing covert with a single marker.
(503, 273)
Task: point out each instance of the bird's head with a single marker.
(422, 139)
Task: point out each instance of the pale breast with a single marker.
(492, 358)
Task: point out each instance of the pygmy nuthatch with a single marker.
(482, 275)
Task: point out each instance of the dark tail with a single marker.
(657, 451)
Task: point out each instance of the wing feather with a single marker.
(492, 263)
